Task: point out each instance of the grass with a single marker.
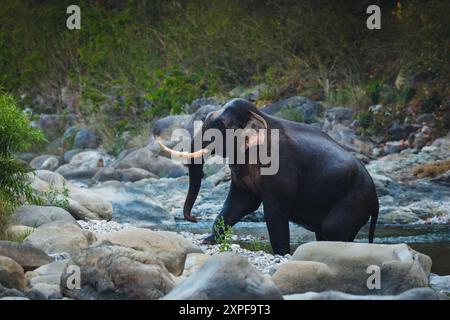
(224, 235)
(431, 169)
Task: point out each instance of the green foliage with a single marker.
(174, 88)
(19, 237)
(256, 245)
(291, 114)
(370, 123)
(16, 135)
(224, 235)
(56, 198)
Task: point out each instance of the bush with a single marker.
(16, 135)
(224, 235)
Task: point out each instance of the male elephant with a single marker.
(319, 185)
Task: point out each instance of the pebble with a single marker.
(263, 261)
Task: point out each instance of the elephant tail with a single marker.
(373, 224)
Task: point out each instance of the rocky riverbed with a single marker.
(119, 220)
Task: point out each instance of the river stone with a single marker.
(11, 274)
(86, 139)
(114, 272)
(45, 291)
(309, 110)
(27, 256)
(342, 266)
(35, 216)
(60, 236)
(440, 283)
(6, 293)
(169, 247)
(45, 162)
(123, 175)
(99, 207)
(145, 159)
(225, 276)
(413, 294)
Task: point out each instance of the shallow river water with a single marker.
(433, 240)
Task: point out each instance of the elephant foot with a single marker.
(209, 239)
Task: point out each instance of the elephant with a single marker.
(319, 184)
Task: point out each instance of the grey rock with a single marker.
(10, 294)
(225, 276)
(45, 162)
(26, 256)
(60, 236)
(340, 266)
(145, 159)
(86, 139)
(35, 216)
(402, 131)
(394, 147)
(440, 283)
(52, 125)
(337, 115)
(70, 154)
(198, 103)
(123, 175)
(309, 110)
(114, 272)
(11, 274)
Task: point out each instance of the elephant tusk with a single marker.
(187, 155)
(260, 119)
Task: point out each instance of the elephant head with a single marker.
(236, 114)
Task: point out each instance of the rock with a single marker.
(97, 207)
(124, 175)
(318, 266)
(306, 109)
(60, 236)
(413, 294)
(225, 276)
(25, 156)
(53, 268)
(68, 155)
(35, 216)
(348, 139)
(11, 274)
(163, 128)
(193, 262)
(52, 125)
(168, 247)
(19, 231)
(402, 131)
(45, 291)
(394, 147)
(425, 118)
(443, 179)
(420, 139)
(198, 103)
(45, 162)
(10, 294)
(114, 272)
(440, 283)
(53, 179)
(87, 160)
(133, 206)
(26, 256)
(145, 159)
(86, 139)
(337, 115)
(78, 174)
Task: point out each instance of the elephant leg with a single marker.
(238, 204)
(346, 218)
(319, 236)
(277, 220)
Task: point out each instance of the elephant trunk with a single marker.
(195, 181)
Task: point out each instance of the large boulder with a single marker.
(413, 294)
(337, 115)
(134, 203)
(114, 272)
(11, 274)
(86, 160)
(86, 139)
(123, 175)
(341, 266)
(28, 257)
(306, 109)
(98, 208)
(60, 236)
(35, 216)
(168, 247)
(45, 162)
(144, 158)
(225, 276)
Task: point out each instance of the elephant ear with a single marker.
(255, 130)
